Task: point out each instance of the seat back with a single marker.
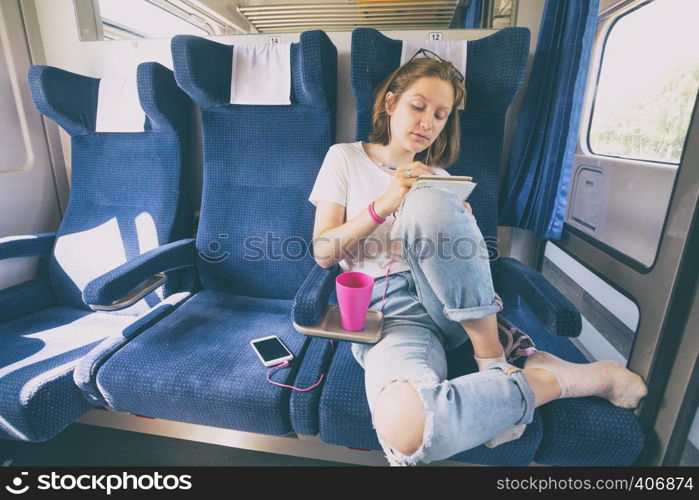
(130, 192)
(495, 70)
(260, 163)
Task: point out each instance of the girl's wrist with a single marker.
(381, 209)
(374, 216)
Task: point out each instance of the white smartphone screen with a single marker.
(271, 349)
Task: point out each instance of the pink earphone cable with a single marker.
(285, 364)
(385, 285)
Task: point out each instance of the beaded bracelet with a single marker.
(374, 216)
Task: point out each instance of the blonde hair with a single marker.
(445, 149)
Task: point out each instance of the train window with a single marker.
(125, 19)
(609, 319)
(498, 14)
(647, 83)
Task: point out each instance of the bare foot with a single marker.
(606, 379)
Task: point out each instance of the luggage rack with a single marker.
(330, 326)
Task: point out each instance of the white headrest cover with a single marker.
(118, 107)
(261, 74)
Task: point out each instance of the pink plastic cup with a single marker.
(353, 295)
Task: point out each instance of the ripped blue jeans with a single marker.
(422, 315)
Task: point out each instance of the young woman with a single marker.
(433, 294)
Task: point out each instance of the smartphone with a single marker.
(271, 350)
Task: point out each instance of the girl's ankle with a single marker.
(546, 381)
(488, 353)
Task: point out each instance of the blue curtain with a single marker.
(472, 14)
(535, 194)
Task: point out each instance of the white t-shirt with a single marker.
(350, 178)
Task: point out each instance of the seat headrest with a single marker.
(203, 69)
(261, 74)
(495, 66)
(452, 51)
(118, 107)
(71, 99)
(167, 107)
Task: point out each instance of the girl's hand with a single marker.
(391, 200)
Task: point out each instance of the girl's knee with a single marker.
(428, 204)
(399, 417)
(429, 212)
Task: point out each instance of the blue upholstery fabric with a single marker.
(196, 365)
(25, 298)
(31, 245)
(85, 373)
(138, 182)
(67, 98)
(38, 352)
(168, 109)
(309, 304)
(303, 406)
(313, 296)
(589, 432)
(260, 162)
(553, 310)
(203, 70)
(149, 169)
(116, 283)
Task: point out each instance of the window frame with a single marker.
(593, 103)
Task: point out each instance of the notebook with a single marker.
(461, 185)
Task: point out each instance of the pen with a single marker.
(390, 167)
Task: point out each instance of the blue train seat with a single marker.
(46, 324)
(260, 162)
(564, 432)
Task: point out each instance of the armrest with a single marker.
(85, 372)
(304, 406)
(25, 298)
(549, 306)
(30, 245)
(108, 291)
(312, 297)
